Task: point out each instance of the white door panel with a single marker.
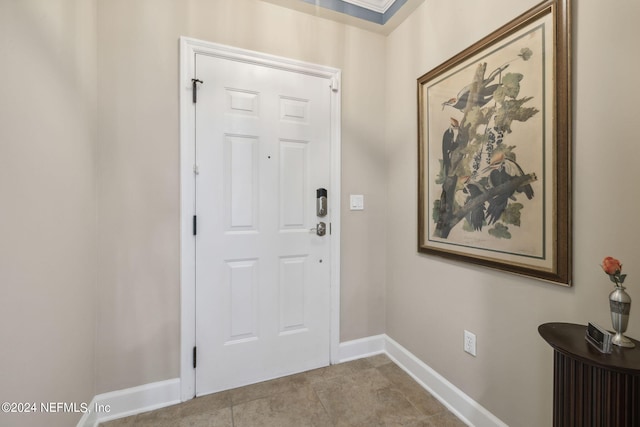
(262, 278)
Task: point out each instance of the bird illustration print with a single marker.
(485, 92)
(504, 170)
(482, 184)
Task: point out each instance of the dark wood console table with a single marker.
(591, 388)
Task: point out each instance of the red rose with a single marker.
(611, 266)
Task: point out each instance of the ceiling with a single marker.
(381, 16)
(376, 11)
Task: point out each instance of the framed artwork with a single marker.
(494, 149)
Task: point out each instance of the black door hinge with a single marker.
(195, 225)
(194, 357)
(194, 82)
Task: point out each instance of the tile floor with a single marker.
(366, 392)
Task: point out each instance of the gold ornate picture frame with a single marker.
(494, 149)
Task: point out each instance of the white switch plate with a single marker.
(357, 202)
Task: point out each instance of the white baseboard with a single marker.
(449, 395)
(131, 401)
(157, 395)
(464, 407)
(363, 347)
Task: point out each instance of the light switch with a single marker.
(357, 202)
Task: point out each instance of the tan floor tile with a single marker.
(165, 417)
(367, 392)
(267, 388)
(365, 399)
(421, 399)
(446, 419)
(338, 370)
(160, 417)
(120, 422)
(298, 408)
(379, 360)
(208, 403)
(217, 418)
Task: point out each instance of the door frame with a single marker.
(189, 47)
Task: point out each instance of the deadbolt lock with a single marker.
(321, 202)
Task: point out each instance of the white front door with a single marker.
(262, 149)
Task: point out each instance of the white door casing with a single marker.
(238, 220)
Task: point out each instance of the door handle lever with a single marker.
(320, 229)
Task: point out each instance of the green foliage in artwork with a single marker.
(511, 214)
(440, 176)
(478, 116)
(466, 226)
(510, 87)
(525, 53)
(472, 147)
(500, 231)
(435, 213)
(481, 139)
(508, 152)
(512, 109)
(464, 167)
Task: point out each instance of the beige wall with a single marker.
(47, 205)
(138, 184)
(431, 301)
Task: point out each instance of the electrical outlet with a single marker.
(470, 342)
